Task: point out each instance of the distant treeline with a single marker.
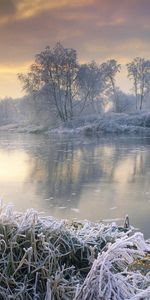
(59, 88)
(57, 73)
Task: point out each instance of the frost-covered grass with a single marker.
(110, 276)
(24, 128)
(109, 123)
(43, 258)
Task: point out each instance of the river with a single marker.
(76, 177)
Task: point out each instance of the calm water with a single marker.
(78, 178)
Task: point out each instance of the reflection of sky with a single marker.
(97, 29)
(13, 166)
(70, 179)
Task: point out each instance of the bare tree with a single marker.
(54, 71)
(133, 75)
(139, 73)
(31, 81)
(90, 84)
(109, 70)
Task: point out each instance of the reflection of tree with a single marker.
(128, 167)
(64, 168)
(60, 168)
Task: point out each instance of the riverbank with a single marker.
(109, 123)
(43, 258)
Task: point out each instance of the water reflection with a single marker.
(13, 166)
(72, 177)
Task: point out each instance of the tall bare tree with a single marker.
(55, 70)
(139, 73)
(109, 70)
(90, 83)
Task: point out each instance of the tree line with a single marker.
(57, 74)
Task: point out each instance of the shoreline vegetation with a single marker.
(43, 258)
(108, 123)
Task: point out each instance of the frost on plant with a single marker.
(110, 277)
(43, 258)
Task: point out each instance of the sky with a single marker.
(98, 29)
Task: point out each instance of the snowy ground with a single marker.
(23, 128)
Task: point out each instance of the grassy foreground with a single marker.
(43, 258)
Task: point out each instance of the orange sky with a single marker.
(97, 29)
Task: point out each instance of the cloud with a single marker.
(7, 7)
(97, 29)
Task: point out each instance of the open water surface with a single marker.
(76, 177)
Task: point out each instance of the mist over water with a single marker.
(82, 178)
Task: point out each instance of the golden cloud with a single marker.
(97, 29)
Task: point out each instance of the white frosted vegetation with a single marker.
(138, 123)
(43, 258)
(109, 277)
(109, 123)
